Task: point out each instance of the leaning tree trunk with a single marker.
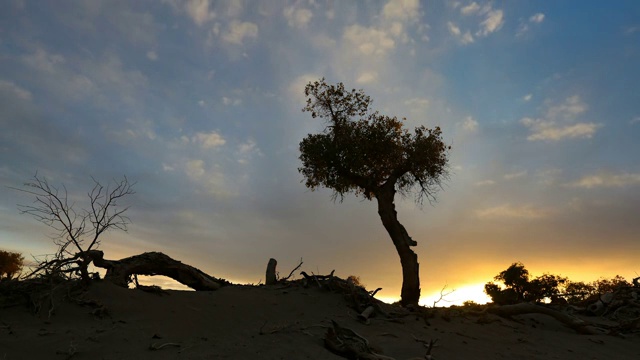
(410, 293)
(154, 263)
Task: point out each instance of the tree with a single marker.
(77, 232)
(10, 264)
(373, 156)
(518, 287)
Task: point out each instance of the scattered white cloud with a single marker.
(195, 168)
(559, 122)
(470, 9)
(453, 29)
(465, 38)
(151, 55)
(367, 77)
(238, 31)
(297, 17)
(198, 11)
(508, 211)
(209, 140)
(44, 61)
(516, 175)
(368, 40)
(485, 183)
(248, 150)
(403, 10)
(549, 130)
(15, 90)
(607, 180)
(537, 18)
(231, 101)
(492, 23)
(635, 120)
(524, 25)
(569, 109)
(527, 97)
(417, 102)
(470, 124)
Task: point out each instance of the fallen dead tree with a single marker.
(120, 272)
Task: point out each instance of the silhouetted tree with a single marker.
(10, 264)
(77, 232)
(373, 156)
(518, 287)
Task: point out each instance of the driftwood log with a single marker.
(154, 263)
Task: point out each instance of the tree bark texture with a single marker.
(154, 263)
(410, 293)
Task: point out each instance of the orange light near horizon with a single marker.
(457, 296)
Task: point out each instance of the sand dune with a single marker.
(276, 322)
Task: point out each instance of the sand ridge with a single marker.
(276, 322)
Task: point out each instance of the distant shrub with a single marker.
(10, 264)
(355, 280)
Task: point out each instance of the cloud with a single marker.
(297, 18)
(238, 31)
(635, 120)
(516, 175)
(508, 211)
(209, 140)
(533, 19)
(367, 77)
(470, 9)
(198, 11)
(527, 97)
(485, 183)
(368, 40)
(537, 18)
(548, 130)
(417, 102)
(44, 61)
(231, 101)
(470, 124)
(607, 180)
(247, 150)
(465, 38)
(569, 109)
(559, 122)
(17, 91)
(492, 23)
(151, 55)
(404, 10)
(195, 168)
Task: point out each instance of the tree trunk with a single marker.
(154, 263)
(410, 293)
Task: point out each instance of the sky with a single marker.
(199, 102)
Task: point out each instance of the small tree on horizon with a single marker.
(10, 264)
(373, 156)
(76, 231)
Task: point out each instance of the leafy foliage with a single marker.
(360, 151)
(11, 264)
(518, 288)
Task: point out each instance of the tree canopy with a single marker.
(361, 150)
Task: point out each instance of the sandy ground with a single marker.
(242, 322)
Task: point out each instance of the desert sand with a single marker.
(277, 322)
